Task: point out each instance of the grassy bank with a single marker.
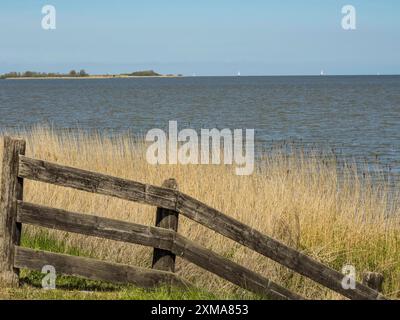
(68, 287)
(299, 199)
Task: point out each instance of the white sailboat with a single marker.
(322, 73)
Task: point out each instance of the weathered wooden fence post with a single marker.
(168, 219)
(11, 191)
(374, 280)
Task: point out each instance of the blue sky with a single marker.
(218, 37)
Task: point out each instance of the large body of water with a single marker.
(358, 116)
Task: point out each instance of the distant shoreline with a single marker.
(82, 74)
(185, 76)
(91, 77)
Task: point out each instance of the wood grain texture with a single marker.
(167, 219)
(95, 269)
(196, 210)
(271, 248)
(11, 189)
(94, 226)
(95, 182)
(154, 237)
(229, 270)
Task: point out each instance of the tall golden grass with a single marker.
(302, 200)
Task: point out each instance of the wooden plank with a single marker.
(94, 226)
(154, 237)
(95, 269)
(230, 270)
(196, 210)
(11, 190)
(271, 248)
(167, 219)
(96, 182)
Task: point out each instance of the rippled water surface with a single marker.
(359, 117)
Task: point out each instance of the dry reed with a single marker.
(302, 200)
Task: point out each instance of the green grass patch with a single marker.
(70, 287)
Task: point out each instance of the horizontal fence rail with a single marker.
(194, 209)
(96, 183)
(154, 237)
(95, 269)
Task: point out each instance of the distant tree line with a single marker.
(148, 73)
(144, 73)
(33, 74)
(75, 74)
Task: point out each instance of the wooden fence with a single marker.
(165, 240)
